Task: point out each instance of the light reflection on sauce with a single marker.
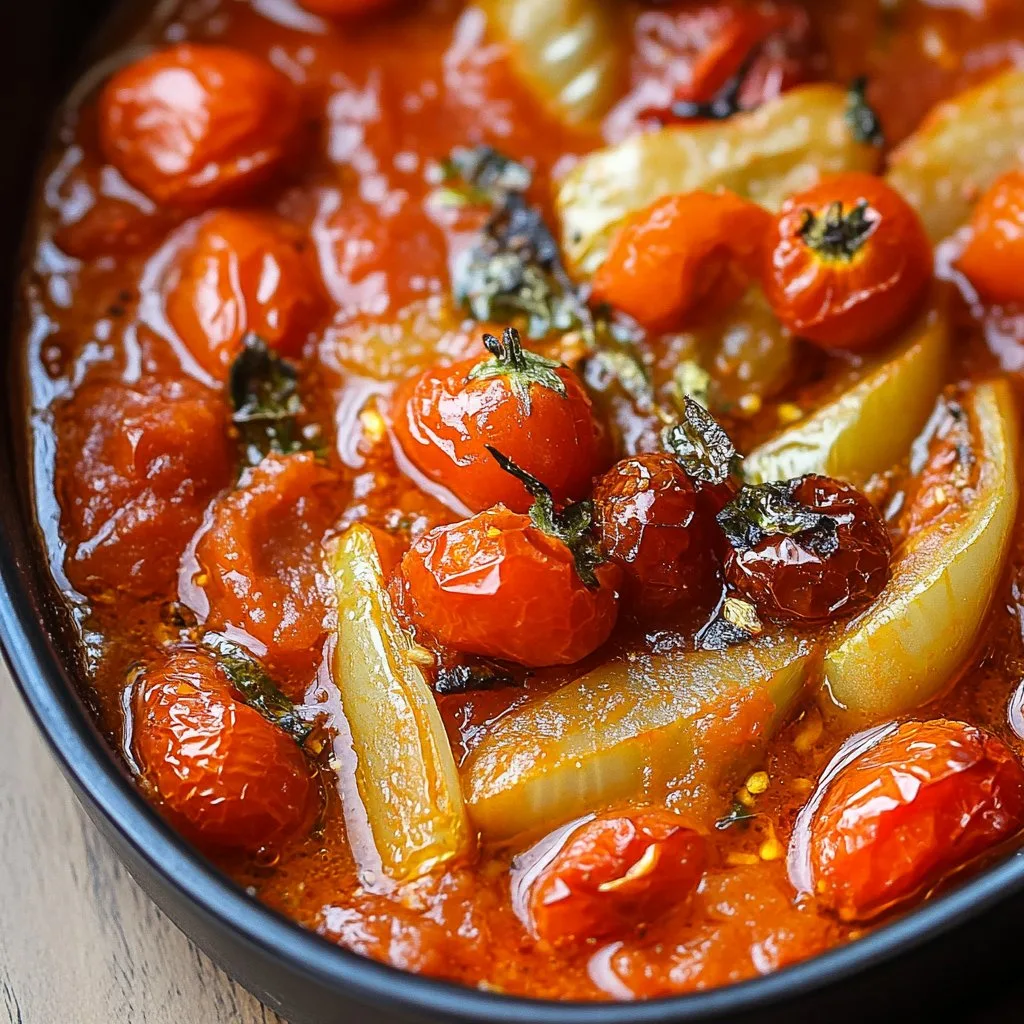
(1015, 710)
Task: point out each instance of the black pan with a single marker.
(950, 958)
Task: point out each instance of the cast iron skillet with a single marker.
(947, 955)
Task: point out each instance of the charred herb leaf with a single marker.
(264, 394)
(726, 101)
(462, 678)
(572, 525)
(768, 510)
(738, 814)
(481, 175)
(521, 367)
(736, 623)
(700, 444)
(861, 116)
(257, 688)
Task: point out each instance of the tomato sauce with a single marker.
(154, 521)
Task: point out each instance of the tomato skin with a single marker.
(497, 586)
(650, 521)
(566, 902)
(145, 464)
(993, 256)
(924, 801)
(227, 777)
(841, 299)
(243, 273)
(260, 555)
(194, 124)
(443, 420)
(789, 581)
(685, 252)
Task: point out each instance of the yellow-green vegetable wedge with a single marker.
(959, 150)
(405, 772)
(869, 427)
(766, 155)
(569, 52)
(649, 729)
(911, 643)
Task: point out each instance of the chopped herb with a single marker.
(691, 380)
(839, 234)
(572, 525)
(720, 634)
(521, 367)
(700, 444)
(726, 101)
(767, 510)
(738, 814)
(463, 678)
(257, 688)
(264, 394)
(743, 615)
(481, 175)
(861, 116)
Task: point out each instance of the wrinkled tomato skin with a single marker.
(567, 902)
(849, 302)
(926, 800)
(243, 273)
(141, 468)
(192, 125)
(225, 775)
(497, 586)
(788, 581)
(443, 420)
(650, 521)
(994, 254)
(259, 557)
(684, 254)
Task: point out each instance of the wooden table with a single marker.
(80, 943)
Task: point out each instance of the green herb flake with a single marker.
(768, 510)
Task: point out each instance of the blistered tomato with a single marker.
(224, 774)
(808, 550)
(242, 273)
(260, 561)
(138, 468)
(197, 124)
(615, 873)
(995, 253)
(533, 409)
(848, 262)
(682, 256)
(925, 800)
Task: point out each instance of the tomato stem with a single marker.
(838, 234)
(521, 367)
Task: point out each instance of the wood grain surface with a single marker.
(80, 943)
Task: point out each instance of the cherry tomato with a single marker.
(346, 8)
(616, 873)
(195, 124)
(650, 522)
(226, 776)
(925, 800)
(682, 254)
(498, 586)
(243, 273)
(995, 252)
(848, 262)
(810, 550)
(141, 468)
(260, 561)
(532, 409)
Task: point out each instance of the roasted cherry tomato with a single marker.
(196, 124)
(682, 255)
(533, 409)
(927, 799)
(259, 557)
(848, 262)
(243, 273)
(227, 776)
(650, 522)
(995, 253)
(615, 873)
(808, 550)
(531, 589)
(143, 465)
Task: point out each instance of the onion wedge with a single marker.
(959, 150)
(405, 772)
(913, 640)
(871, 426)
(657, 728)
(766, 155)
